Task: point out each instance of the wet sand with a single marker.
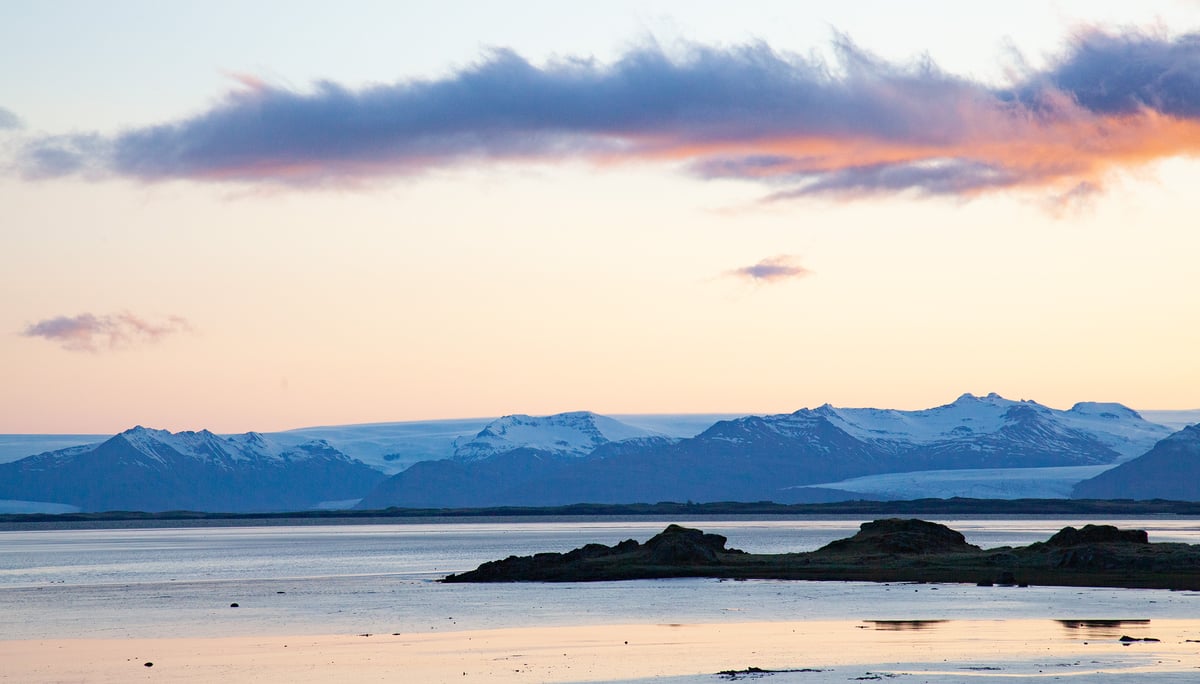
(1080, 650)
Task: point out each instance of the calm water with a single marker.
(380, 578)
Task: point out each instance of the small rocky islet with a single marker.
(888, 550)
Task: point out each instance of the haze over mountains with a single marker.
(987, 447)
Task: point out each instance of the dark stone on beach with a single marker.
(756, 673)
(233, 605)
(148, 664)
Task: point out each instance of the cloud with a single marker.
(774, 269)
(8, 120)
(854, 126)
(91, 333)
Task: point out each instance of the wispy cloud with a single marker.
(859, 125)
(774, 269)
(90, 333)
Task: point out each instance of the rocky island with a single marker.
(890, 550)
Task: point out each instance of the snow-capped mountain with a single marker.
(1171, 470)
(993, 424)
(983, 446)
(576, 433)
(791, 457)
(155, 470)
(390, 447)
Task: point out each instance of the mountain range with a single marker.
(983, 446)
(787, 458)
(155, 470)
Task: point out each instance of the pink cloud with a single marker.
(774, 269)
(92, 333)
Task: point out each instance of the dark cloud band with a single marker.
(860, 125)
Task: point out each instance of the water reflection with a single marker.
(905, 625)
(1103, 629)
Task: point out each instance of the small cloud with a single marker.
(54, 156)
(774, 269)
(91, 333)
(8, 120)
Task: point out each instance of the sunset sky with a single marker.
(269, 215)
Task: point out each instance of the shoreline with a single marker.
(825, 651)
(1083, 508)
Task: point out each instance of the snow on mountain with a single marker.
(576, 433)
(154, 470)
(970, 417)
(14, 447)
(1121, 428)
(162, 446)
(967, 416)
(390, 447)
(387, 447)
(677, 425)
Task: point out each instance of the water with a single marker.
(381, 578)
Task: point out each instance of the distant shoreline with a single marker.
(954, 506)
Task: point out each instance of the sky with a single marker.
(267, 215)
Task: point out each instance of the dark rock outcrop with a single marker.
(684, 545)
(671, 551)
(883, 551)
(1097, 534)
(901, 536)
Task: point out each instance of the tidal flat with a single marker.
(94, 605)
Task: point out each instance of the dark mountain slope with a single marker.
(1171, 470)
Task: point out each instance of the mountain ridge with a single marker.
(810, 455)
(1169, 470)
(789, 457)
(156, 470)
